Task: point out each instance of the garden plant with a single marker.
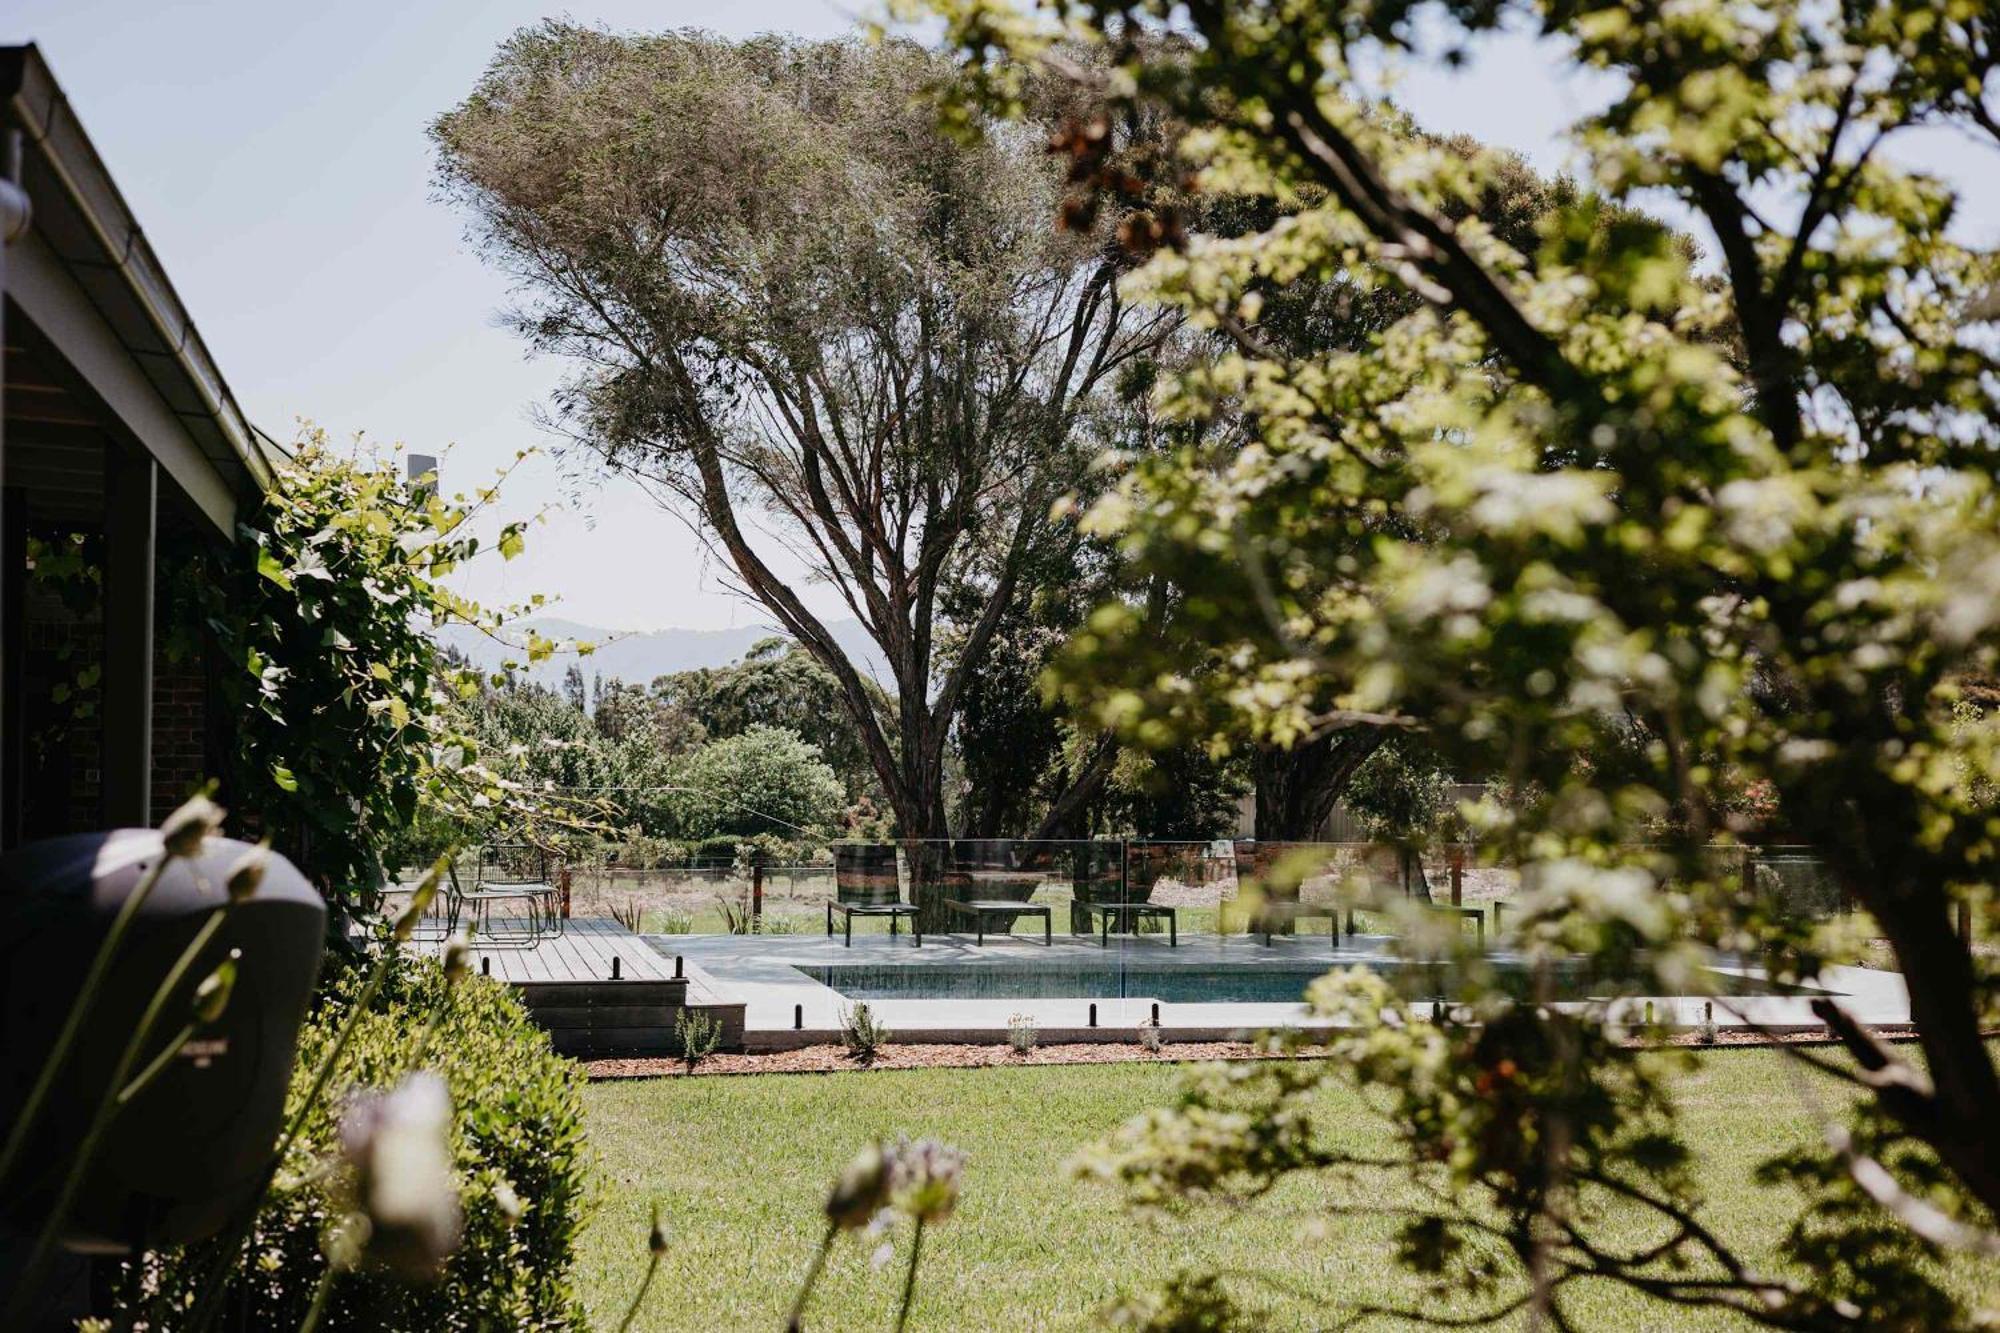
(1630, 528)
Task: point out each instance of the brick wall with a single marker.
(180, 732)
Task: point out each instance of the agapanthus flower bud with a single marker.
(399, 1144)
(508, 1202)
(248, 873)
(656, 1239)
(211, 997)
(457, 960)
(861, 1190)
(925, 1179)
(186, 827)
(420, 898)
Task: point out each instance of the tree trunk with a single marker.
(1297, 787)
(1954, 1115)
(1068, 807)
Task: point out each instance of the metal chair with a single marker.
(504, 873)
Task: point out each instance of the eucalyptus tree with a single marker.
(809, 321)
(1674, 531)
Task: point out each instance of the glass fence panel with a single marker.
(1202, 879)
(1078, 933)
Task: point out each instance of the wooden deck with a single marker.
(583, 952)
(601, 990)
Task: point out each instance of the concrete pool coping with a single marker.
(784, 1008)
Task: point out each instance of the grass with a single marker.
(740, 1166)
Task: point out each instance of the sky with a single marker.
(275, 153)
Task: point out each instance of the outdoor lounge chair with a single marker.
(1394, 871)
(1108, 899)
(1281, 904)
(995, 877)
(865, 884)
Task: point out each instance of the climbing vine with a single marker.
(350, 722)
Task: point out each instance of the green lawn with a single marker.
(740, 1165)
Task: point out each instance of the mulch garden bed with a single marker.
(831, 1059)
(921, 1055)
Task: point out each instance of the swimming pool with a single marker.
(1261, 983)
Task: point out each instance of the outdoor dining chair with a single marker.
(505, 873)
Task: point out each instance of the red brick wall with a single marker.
(180, 732)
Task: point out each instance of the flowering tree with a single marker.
(1638, 536)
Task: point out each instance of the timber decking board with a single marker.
(583, 952)
(566, 983)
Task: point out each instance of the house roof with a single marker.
(88, 279)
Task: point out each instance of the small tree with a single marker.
(764, 780)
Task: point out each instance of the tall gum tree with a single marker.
(806, 319)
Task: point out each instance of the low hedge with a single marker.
(519, 1131)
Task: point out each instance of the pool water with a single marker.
(1250, 984)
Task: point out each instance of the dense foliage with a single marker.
(658, 783)
(519, 1162)
(348, 725)
(776, 684)
(762, 780)
(1636, 538)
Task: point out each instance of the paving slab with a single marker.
(783, 983)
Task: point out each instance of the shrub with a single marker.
(861, 1032)
(736, 917)
(697, 1035)
(1023, 1033)
(1152, 1038)
(714, 851)
(518, 1145)
(639, 851)
(673, 921)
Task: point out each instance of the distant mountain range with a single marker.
(638, 658)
